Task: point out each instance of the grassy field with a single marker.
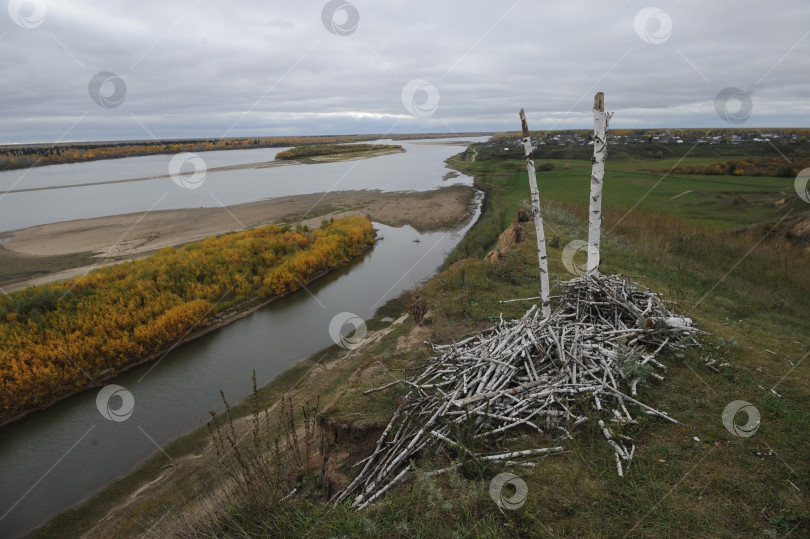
(716, 202)
(643, 184)
(694, 479)
(720, 486)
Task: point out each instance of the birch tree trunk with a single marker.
(538, 219)
(600, 124)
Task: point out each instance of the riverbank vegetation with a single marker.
(62, 337)
(341, 150)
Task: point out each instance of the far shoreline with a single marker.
(193, 145)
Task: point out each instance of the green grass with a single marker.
(504, 193)
(714, 202)
(721, 486)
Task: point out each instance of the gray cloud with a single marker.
(200, 68)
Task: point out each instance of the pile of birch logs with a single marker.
(544, 374)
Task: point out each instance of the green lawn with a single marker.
(715, 202)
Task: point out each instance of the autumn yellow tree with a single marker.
(55, 335)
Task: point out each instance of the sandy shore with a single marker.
(55, 250)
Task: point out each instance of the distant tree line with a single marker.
(12, 157)
(768, 166)
(647, 133)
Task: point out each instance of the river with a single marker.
(420, 168)
(54, 459)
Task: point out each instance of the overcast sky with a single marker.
(210, 68)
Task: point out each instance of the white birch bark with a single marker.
(538, 219)
(600, 125)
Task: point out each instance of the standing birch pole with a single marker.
(538, 218)
(600, 124)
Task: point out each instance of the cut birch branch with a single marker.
(538, 218)
(558, 368)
